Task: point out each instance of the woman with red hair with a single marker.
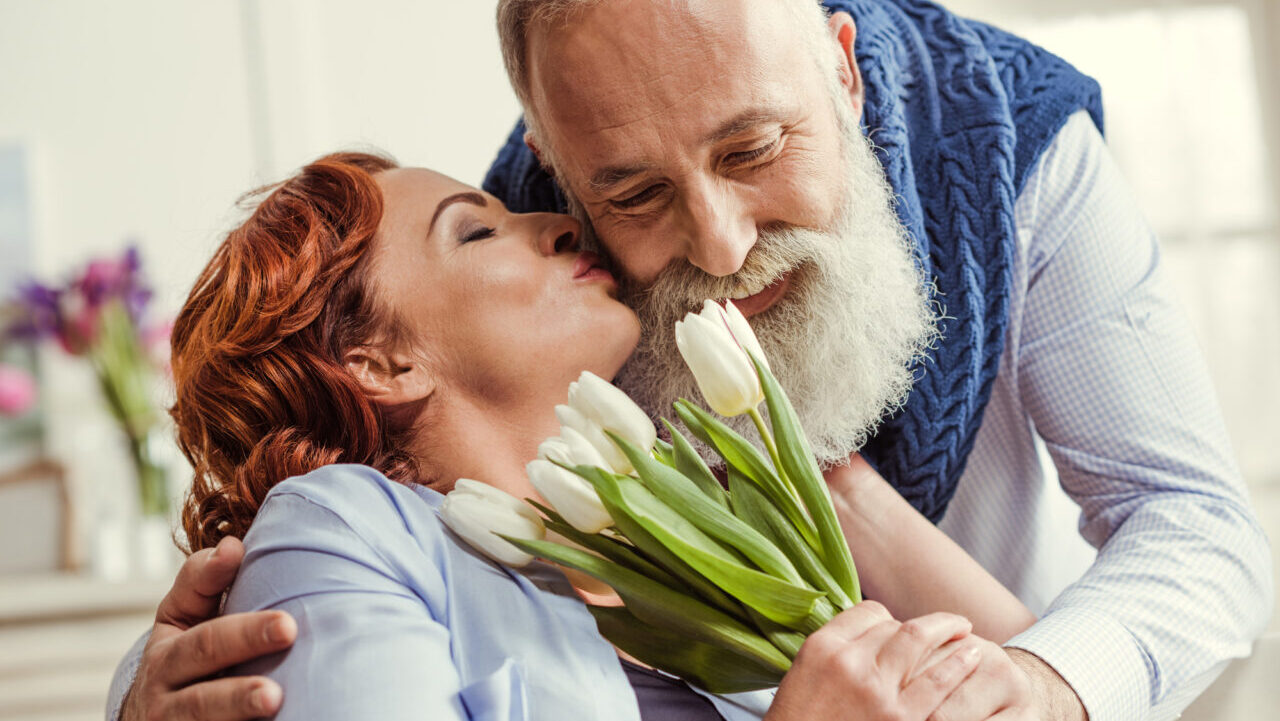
(366, 337)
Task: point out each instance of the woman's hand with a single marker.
(865, 665)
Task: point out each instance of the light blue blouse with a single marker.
(400, 619)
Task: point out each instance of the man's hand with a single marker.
(867, 665)
(1011, 685)
(188, 645)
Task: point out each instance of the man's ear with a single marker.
(844, 31)
(390, 378)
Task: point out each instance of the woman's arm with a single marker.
(327, 550)
(910, 566)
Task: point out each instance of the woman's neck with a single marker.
(466, 437)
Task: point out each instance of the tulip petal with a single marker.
(475, 520)
(556, 449)
(570, 495)
(581, 451)
(571, 417)
(742, 331)
(720, 367)
(612, 409)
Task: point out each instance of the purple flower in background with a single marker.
(116, 279)
(72, 314)
(36, 311)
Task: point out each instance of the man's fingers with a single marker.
(225, 699)
(916, 638)
(216, 645)
(987, 689)
(848, 625)
(938, 683)
(200, 583)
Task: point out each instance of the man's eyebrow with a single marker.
(743, 121)
(463, 197)
(605, 179)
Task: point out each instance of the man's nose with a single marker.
(719, 229)
(558, 233)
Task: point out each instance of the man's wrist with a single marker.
(1054, 698)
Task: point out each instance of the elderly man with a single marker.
(920, 216)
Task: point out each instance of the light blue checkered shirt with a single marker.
(1103, 412)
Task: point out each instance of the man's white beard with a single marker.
(843, 339)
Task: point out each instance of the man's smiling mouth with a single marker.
(752, 301)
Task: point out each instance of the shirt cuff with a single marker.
(1097, 657)
(123, 679)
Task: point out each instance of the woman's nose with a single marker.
(559, 234)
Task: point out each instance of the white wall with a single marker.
(147, 119)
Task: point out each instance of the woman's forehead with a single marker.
(417, 184)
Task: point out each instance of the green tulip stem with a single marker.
(767, 435)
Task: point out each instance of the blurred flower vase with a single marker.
(100, 316)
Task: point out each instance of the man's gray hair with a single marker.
(517, 17)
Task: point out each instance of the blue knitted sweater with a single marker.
(959, 112)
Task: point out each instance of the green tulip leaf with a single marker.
(606, 485)
(664, 452)
(688, 462)
(711, 668)
(783, 638)
(751, 505)
(783, 602)
(616, 551)
(678, 492)
(739, 453)
(663, 607)
(799, 465)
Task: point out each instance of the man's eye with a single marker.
(748, 156)
(478, 234)
(639, 199)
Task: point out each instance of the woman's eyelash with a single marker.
(478, 234)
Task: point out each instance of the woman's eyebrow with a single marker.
(463, 197)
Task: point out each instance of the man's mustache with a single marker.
(682, 286)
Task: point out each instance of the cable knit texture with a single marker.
(959, 113)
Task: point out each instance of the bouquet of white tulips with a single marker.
(720, 585)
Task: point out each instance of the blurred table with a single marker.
(61, 636)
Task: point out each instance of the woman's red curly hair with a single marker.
(262, 390)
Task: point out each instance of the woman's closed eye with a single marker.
(472, 234)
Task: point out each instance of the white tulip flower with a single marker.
(572, 419)
(570, 495)
(557, 449)
(711, 343)
(740, 328)
(477, 511)
(613, 410)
